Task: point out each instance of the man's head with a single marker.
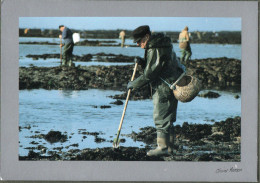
(141, 35)
(186, 28)
(61, 27)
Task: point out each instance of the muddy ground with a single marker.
(220, 141)
(219, 73)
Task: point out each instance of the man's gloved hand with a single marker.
(139, 60)
(130, 85)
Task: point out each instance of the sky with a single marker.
(130, 23)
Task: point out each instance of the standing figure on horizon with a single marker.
(184, 44)
(67, 46)
(122, 37)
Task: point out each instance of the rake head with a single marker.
(116, 142)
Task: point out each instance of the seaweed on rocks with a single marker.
(99, 57)
(117, 102)
(193, 132)
(55, 136)
(144, 93)
(146, 135)
(105, 106)
(230, 128)
(102, 106)
(218, 73)
(193, 142)
(209, 94)
(119, 154)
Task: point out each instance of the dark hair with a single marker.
(61, 26)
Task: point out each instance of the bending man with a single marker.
(159, 62)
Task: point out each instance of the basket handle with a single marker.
(172, 87)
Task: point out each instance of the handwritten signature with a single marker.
(229, 170)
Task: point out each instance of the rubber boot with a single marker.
(63, 62)
(162, 145)
(70, 63)
(171, 140)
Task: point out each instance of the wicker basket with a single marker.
(187, 88)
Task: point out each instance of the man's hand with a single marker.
(60, 36)
(61, 45)
(139, 61)
(130, 85)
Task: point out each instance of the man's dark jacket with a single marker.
(160, 61)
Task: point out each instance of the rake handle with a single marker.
(60, 51)
(126, 102)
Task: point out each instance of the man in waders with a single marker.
(184, 44)
(160, 61)
(67, 46)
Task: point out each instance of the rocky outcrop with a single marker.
(99, 57)
(209, 94)
(221, 73)
(55, 136)
(217, 72)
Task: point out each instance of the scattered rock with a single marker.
(117, 102)
(220, 141)
(28, 127)
(237, 96)
(89, 133)
(209, 94)
(55, 136)
(75, 145)
(99, 140)
(33, 155)
(105, 106)
(102, 106)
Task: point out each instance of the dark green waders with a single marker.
(165, 108)
(67, 54)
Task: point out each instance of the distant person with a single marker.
(122, 37)
(26, 31)
(159, 62)
(184, 44)
(67, 46)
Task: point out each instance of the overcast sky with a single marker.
(130, 23)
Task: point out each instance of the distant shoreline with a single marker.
(222, 37)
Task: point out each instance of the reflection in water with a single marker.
(68, 93)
